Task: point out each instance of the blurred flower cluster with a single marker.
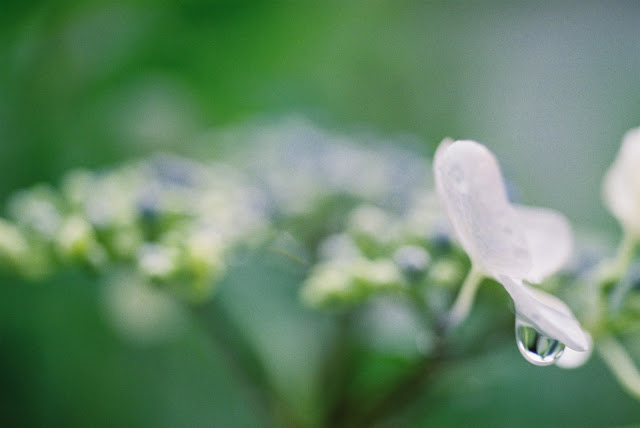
(369, 217)
(178, 221)
(381, 251)
(172, 219)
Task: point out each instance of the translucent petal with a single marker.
(571, 359)
(471, 189)
(629, 157)
(550, 240)
(546, 313)
(619, 197)
(621, 186)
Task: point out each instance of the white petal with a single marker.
(546, 313)
(621, 186)
(571, 359)
(550, 240)
(471, 189)
(629, 156)
(619, 197)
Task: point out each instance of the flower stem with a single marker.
(240, 359)
(462, 306)
(606, 275)
(620, 364)
(337, 376)
(612, 270)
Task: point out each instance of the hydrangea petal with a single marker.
(571, 359)
(619, 199)
(621, 185)
(550, 240)
(546, 313)
(471, 188)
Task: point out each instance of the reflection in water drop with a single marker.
(535, 347)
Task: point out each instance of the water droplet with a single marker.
(535, 347)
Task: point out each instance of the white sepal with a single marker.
(621, 185)
(550, 240)
(471, 189)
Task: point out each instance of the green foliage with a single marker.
(167, 229)
(300, 277)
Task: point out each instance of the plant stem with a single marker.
(620, 364)
(611, 270)
(337, 376)
(402, 392)
(605, 275)
(462, 306)
(237, 354)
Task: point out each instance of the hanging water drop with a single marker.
(534, 346)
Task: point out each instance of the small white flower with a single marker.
(621, 187)
(157, 261)
(511, 244)
(141, 313)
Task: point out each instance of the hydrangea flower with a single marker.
(512, 244)
(621, 187)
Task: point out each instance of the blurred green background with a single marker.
(550, 87)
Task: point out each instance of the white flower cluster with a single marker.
(372, 213)
(171, 217)
(517, 246)
(176, 219)
(301, 165)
